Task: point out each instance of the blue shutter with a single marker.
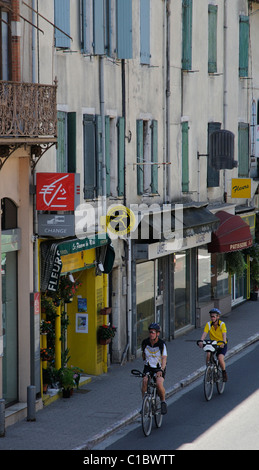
(124, 29)
(99, 27)
(83, 27)
(154, 159)
(145, 31)
(243, 45)
(89, 157)
(140, 157)
(187, 34)
(121, 155)
(62, 21)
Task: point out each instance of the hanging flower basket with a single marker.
(105, 333)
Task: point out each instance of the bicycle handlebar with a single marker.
(214, 343)
(138, 373)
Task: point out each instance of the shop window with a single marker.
(204, 275)
(220, 287)
(8, 214)
(182, 287)
(145, 289)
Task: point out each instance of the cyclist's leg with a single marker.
(221, 358)
(145, 380)
(161, 393)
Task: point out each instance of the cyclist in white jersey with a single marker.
(154, 354)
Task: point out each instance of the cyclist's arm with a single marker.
(203, 336)
(224, 337)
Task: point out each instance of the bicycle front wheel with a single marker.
(146, 415)
(157, 412)
(220, 384)
(208, 383)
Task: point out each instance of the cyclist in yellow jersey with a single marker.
(217, 331)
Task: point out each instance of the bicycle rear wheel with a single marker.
(157, 411)
(146, 415)
(220, 384)
(208, 383)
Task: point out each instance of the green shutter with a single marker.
(89, 157)
(107, 155)
(243, 45)
(212, 38)
(243, 149)
(185, 156)
(62, 142)
(121, 155)
(71, 158)
(187, 34)
(140, 156)
(154, 159)
(99, 154)
(212, 173)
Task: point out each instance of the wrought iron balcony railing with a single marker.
(28, 112)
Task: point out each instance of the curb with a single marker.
(176, 388)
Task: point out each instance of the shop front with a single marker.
(165, 274)
(74, 277)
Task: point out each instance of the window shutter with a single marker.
(243, 45)
(121, 155)
(62, 21)
(89, 156)
(212, 173)
(243, 149)
(187, 34)
(124, 29)
(62, 142)
(99, 27)
(145, 31)
(212, 39)
(185, 156)
(140, 156)
(71, 157)
(154, 159)
(99, 154)
(107, 155)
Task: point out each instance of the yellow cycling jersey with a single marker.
(216, 334)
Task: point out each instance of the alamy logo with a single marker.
(138, 222)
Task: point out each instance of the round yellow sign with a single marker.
(120, 220)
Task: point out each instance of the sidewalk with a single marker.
(113, 399)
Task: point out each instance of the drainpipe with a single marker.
(167, 195)
(225, 101)
(101, 84)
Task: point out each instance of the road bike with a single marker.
(213, 372)
(151, 404)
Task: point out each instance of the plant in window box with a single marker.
(106, 333)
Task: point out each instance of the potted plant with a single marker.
(45, 327)
(76, 375)
(235, 263)
(106, 333)
(66, 381)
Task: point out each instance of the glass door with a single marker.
(9, 314)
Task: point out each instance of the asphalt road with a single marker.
(227, 422)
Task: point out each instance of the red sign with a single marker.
(55, 192)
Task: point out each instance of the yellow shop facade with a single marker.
(87, 262)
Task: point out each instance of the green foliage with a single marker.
(235, 263)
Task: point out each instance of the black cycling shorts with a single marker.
(153, 370)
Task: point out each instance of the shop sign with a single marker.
(56, 225)
(57, 191)
(241, 188)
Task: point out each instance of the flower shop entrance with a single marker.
(80, 307)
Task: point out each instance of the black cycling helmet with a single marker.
(215, 310)
(154, 326)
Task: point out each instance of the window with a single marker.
(243, 149)
(243, 45)
(66, 149)
(62, 21)
(187, 34)
(145, 31)
(185, 156)
(5, 64)
(93, 156)
(106, 27)
(204, 274)
(212, 38)
(147, 168)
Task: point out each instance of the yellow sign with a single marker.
(241, 188)
(119, 220)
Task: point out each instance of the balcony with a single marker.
(28, 113)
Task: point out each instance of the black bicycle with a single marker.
(213, 373)
(151, 404)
